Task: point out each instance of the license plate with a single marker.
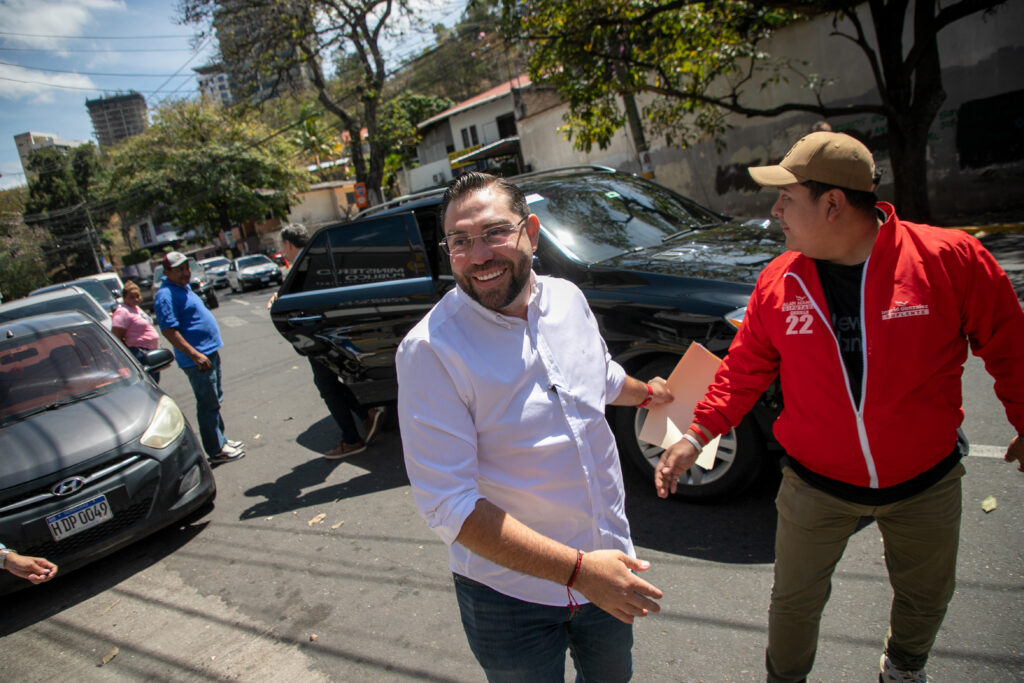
(265, 279)
(79, 518)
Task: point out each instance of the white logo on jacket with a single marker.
(904, 309)
(799, 318)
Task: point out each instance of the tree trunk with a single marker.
(908, 149)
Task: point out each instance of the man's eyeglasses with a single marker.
(494, 236)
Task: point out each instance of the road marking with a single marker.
(988, 451)
(233, 321)
(242, 302)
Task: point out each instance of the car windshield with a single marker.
(215, 263)
(34, 305)
(596, 218)
(99, 290)
(250, 261)
(46, 370)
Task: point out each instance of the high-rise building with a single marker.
(214, 83)
(244, 32)
(31, 141)
(116, 117)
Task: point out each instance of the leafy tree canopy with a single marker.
(703, 60)
(285, 44)
(22, 267)
(206, 168)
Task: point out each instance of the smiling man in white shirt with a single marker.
(502, 392)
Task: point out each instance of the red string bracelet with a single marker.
(573, 605)
(650, 395)
(699, 432)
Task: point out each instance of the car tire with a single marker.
(211, 299)
(738, 463)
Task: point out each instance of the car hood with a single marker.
(76, 433)
(735, 251)
(217, 269)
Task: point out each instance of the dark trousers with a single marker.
(340, 400)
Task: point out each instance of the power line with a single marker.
(72, 49)
(41, 35)
(84, 73)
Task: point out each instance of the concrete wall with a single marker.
(981, 59)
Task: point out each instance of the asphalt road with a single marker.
(312, 570)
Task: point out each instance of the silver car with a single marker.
(217, 270)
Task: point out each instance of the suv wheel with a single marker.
(738, 462)
(211, 299)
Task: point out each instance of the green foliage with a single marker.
(22, 267)
(205, 168)
(701, 62)
(138, 256)
(592, 51)
(466, 60)
(279, 45)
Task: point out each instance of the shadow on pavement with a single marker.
(737, 531)
(37, 603)
(285, 494)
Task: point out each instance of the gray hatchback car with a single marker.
(94, 454)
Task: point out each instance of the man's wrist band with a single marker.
(696, 444)
(650, 395)
(3, 557)
(695, 428)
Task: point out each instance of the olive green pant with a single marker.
(920, 534)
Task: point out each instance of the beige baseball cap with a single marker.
(830, 158)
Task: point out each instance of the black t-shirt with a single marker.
(841, 285)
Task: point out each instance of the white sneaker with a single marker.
(233, 443)
(227, 454)
(890, 674)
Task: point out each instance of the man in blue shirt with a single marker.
(192, 330)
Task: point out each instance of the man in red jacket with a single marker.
(866, 321)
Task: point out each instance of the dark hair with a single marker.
(473, 181)
(296, 234)
(858, 199)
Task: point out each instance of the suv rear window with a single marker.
(375, 250)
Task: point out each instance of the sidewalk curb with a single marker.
(988, 229)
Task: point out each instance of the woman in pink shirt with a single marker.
(134, 327)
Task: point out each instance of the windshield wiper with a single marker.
(62, 402)
(687, 231)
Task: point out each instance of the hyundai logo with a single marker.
(68, 486)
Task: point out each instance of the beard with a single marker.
(499, 299)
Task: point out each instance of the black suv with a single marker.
(658, 270)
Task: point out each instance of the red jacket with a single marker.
(926, 293)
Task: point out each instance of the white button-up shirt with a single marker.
(512, 410)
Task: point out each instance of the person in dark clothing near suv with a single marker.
(866, 321)
(340, 400)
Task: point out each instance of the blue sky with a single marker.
(56, 54)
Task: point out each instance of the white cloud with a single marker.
(51, 17)
(18, 83)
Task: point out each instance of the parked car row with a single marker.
(658, 270)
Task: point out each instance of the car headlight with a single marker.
(165, 426)
(736, 317)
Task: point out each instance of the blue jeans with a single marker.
(517, 641)
(209, 395)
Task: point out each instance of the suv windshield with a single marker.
(47, 370)
(597, 218)
(215, 263)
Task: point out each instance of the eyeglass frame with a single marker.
(516, 227)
